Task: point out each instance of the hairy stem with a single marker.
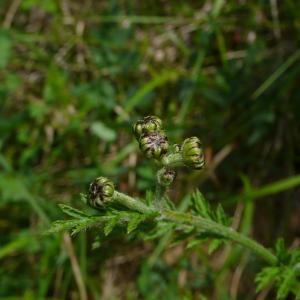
(216, 228)
(199, 223)
(159, 196)
(133, 204)
(160, 189)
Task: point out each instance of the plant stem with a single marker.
(172, 160)
(216, 228)
(160, 191)
(199, 223)
(133, 204)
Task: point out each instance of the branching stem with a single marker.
(221, 230)
(199, 223)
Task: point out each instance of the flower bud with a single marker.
(154, 144)
(100, 192)
(192, 153)
(166, 176)
(147, 124)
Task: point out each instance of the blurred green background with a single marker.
(75, 75)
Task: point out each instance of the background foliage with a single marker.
(76, 74)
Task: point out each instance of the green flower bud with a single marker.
(147, 124)
(154, 144)
(166, 176)
(100, 192)
(192, 153)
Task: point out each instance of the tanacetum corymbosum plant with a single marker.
(115, 209)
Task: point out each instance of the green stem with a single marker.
(160, 189)
(133, 204)
(172, 160)
(198, 222)
(159, 196)
(216, 228)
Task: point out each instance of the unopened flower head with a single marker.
(100, 192)
(166, 176)
(146, 125)
(154, 144)
(192, 153)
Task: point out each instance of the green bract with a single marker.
(146, 125)
(192, 153)
(100, 192)
(154, 144)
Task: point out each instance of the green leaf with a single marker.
(193, 243)
(200, 205)
(203, 208)
(214, 245)
(109, 226)
(86, 223)
(76, 225)
(281, 251)
(103, 132)
(221, 217)
(61, 225)
(134, 221)
(266, 277)
(286, 284)
(160, 230)
(72, 212)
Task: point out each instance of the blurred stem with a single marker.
(199, 223)
(160, 191)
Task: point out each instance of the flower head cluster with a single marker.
(154, 144)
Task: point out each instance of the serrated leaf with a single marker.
(221, 217)
(286, 284)
(214, 245)
(84, 224)
(193, 243)
(281, 251)
(73, 212)
(170, 204)
(160, 230)
(134, 221)
(200, 205)
(109, 226)
(265, 277)
(61, 225)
